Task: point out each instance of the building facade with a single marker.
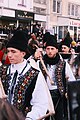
(23, 12)
(15, 13)
(39, 8)
(65, 16)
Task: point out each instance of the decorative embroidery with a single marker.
(23, 83)
(58, 74)
(4, 77)
(21, 87)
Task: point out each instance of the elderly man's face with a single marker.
(15, 56)
(65, 49)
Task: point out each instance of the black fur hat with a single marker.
(19, 41)
(46, 36)
(51, 42)
(66, 43)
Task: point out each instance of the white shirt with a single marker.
(40, 100)
(68, 73)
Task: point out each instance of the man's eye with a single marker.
(13, 52)
(7, 51)
(47, 48)
(52, 48)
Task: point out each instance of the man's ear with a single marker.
(24, 53)
(57, 50)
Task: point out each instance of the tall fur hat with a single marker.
(46, 36)
(19, 41)
(51, 42)
(66, 43)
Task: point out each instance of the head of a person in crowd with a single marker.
(51, 47)
(68, 34)
(33, 36)
(17, 47)
(65, 46)
(68, 37)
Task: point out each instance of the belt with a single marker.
(55, 92)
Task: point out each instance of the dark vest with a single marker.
(23, 90)
(59, 74)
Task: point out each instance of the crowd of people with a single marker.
(35, 73)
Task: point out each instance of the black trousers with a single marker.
(60, 105)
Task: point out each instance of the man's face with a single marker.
(15, 56)
(65, 49)
(51, 51)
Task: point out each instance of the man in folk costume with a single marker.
(67, 52)
(23, 82)
(60, 73)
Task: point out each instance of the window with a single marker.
(71, 27)
(22, 2)
(60, 32)
(73, 9)
(57, 6)
(79, 11)
(54, 5)
(40, 1)
(39, 10)
(36, 10)
(76, 10)
(65, 30)
(42, 11)
(69, 9)
(43, 1)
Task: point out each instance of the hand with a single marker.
(38, 53)
(72, 51)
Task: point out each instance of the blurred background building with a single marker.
(65, 16)
(56, 16)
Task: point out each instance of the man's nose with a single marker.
(9, 54)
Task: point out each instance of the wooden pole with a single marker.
(42, 62)
(68, 53)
